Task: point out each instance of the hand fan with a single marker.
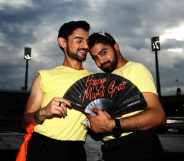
(106, 91)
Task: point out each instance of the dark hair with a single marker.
(100, 37)
(67, 28)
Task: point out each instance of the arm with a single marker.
(33, 107)
(153, 116)
(34, 101)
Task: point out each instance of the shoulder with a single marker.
(48, 71)
(138, 68)
(138, 65)
(141, 76)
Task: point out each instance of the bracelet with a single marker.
(37, 117)
(117, 130)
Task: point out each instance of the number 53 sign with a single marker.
(155, 43)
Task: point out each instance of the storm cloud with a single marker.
(35, 24)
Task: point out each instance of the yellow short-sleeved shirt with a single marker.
(54, 83)
(141, 77)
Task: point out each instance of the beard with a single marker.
(109, 66)
(79, 55)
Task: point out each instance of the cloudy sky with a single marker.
(35, 23)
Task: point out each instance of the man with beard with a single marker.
(58, 132)
(131, 136)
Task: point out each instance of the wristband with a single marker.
(37, 117)
(117, 130)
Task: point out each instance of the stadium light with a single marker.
(27, 57)
(155, 45)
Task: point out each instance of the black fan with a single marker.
(110, 92)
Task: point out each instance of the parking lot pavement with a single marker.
(173, 145)
(8, 154)
(172, 142)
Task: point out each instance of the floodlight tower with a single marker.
(27, 57)
(155, 45)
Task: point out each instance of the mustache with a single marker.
(103, 64)
(83, 49)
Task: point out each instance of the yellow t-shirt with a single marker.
(54, 83)
(141, 77)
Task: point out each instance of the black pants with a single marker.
(42, 148)
(143, 146)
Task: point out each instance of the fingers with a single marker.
(95, 110)
(60, 100)
(62, 109)
(57, 107)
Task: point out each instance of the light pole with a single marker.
(155, 45)
(27, 57)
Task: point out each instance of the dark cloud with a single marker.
(132, 22)
(172, 77)
(172, 44)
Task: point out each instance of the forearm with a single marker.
(153, 116)
(36, 117)
(145, 120)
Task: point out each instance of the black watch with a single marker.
(117, 130)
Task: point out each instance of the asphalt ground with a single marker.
(173, 147)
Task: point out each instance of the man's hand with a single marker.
(56, 107)
(101, 122)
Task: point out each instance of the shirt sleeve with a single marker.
(143, 79)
